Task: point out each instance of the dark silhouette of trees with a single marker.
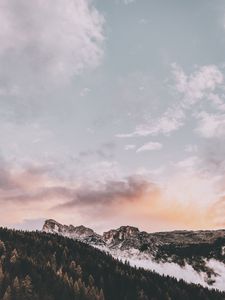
(36, 265)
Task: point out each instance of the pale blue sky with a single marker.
(95, 91)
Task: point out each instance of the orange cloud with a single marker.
(32, 193)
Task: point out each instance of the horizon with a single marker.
(113, 112)
(40, 228)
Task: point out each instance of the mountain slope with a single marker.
(195, 256)
(36, 265)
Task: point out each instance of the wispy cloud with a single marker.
(218, 101)
(191, 148)
(202, 81)
(129, 147)
(150, 147)
(198, 84)
(171, 120)
(210, 125)
(128, 1)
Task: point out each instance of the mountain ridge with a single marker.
(127, 231)
(36, 265)
(177, 253)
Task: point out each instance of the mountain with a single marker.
(194, 256)
(80, 233)
(43, 266)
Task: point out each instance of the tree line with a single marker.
(37, 265)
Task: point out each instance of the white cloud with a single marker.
(84, 92)
(211, 125)
(48, 40)
(188, 163)
(191, 148)
(149, 173)
(217, 101)
(171, 120)
(128, 1)
(198, 84)
(150, 146)
(129, 147)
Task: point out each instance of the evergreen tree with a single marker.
(16, 287)
(76, 288)
(94, 276)
(101, 295)
(91, 280)
(1, 274)
(14, 256)
(8, 294)
(27, 288)
(2, 248)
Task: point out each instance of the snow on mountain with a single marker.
(194, 256)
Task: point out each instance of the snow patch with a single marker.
(186, 273)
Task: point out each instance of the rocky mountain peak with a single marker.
(201, 250)
(81, 232)
(120, 234)
(51, 225)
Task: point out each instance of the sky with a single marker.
(112, 112)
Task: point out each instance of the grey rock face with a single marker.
(80, 233)
(129, 237)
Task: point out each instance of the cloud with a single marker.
(189, 163)
(198, 84)
(128, 1)
(171, 120)
(129, 147)
(217, 212)
(110, 192)
(217, 101)
(150, 146)
(104, 151)
(213, 161)
(191, 148)
(47, 41)
(210, 125)
(138, 201)
(202, 83)
(184, 201)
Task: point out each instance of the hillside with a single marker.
(37, 265)
(194, 256)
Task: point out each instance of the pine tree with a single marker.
(1, 274)
(79, 271)
(142, 296)
(66, 278)
(14, 256)
(101, 295)
(53, 263)
(91, 293)
(76, 288)
(8, 294)
(16, 286)
(2, 248)
(60, 272)
(72, 265)
(91, 280)
(27, 288)
(71, 281)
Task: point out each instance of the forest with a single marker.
(37, 265)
